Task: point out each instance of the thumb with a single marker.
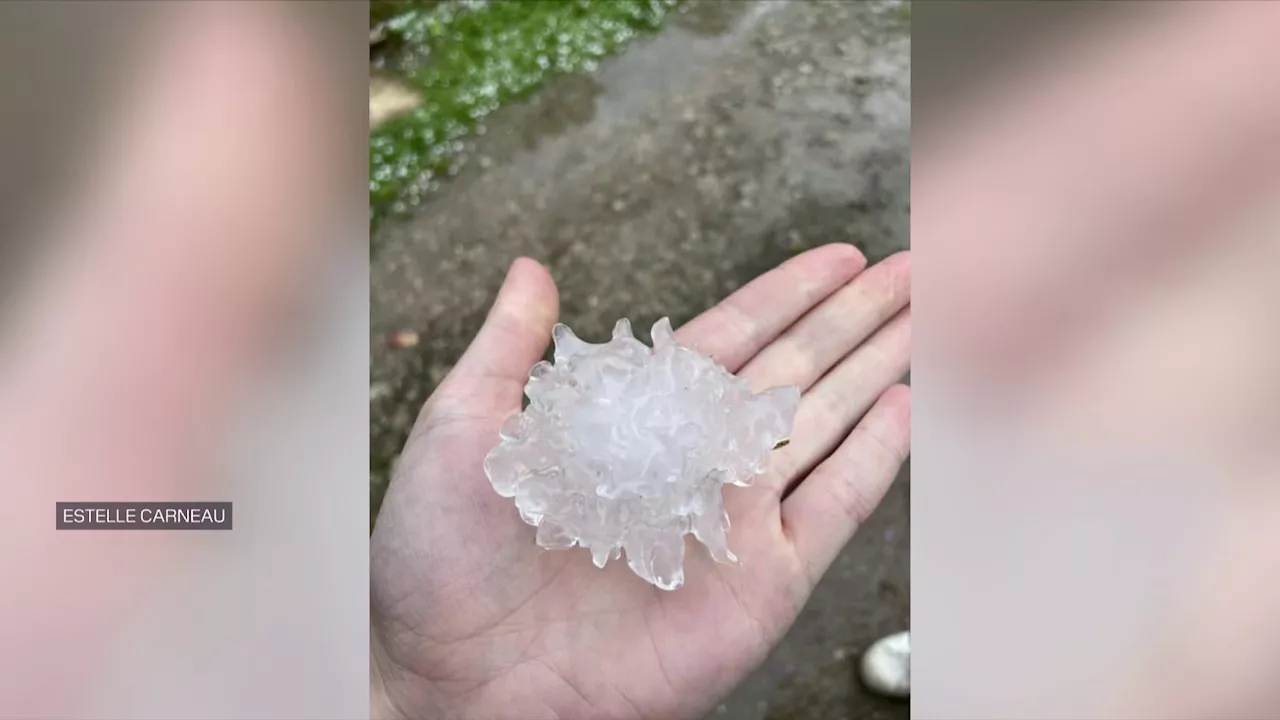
(490, 377)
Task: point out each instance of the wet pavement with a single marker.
(739, 135)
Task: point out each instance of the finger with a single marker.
(732, 332)
(808, 349)
(833, 406)
(825, 510)
(490, 377)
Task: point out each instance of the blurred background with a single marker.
(655, 156)
(183, 316)
(1094, 413)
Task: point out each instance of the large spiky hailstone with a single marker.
(624, 447)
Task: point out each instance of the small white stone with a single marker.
(627, 447)
(886, 666)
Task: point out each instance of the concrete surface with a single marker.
(739, 135)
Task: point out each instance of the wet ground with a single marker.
(740, 134)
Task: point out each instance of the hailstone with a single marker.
(627, 447)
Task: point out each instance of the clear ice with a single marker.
(624, 447)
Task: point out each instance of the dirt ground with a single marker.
(739, 135)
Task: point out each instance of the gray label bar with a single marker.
(144, 515)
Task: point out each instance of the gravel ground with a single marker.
(740, 134)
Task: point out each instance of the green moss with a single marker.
(469, 57)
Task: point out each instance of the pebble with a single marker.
(886, 666)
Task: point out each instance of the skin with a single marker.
(472, 619)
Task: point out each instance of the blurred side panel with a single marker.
(184, 317)
(1096, 439)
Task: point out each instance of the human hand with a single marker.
(472, 619)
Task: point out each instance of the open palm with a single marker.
(472, 619)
